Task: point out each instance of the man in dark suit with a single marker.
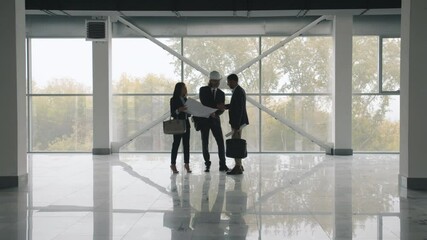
(212, 96)
(237, 114)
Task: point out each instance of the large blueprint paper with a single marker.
(196, 109)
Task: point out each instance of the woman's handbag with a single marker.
(174, 126)
(236, 148)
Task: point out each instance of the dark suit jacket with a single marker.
(207, 99)
(237, 108)
(176, 103)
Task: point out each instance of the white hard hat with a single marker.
(214, 75)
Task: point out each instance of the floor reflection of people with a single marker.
(236, 205)
(178, 220)
(207, 223)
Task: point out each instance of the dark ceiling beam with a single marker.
(206, 5)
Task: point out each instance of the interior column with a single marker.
(413, 95)
(102, 120)
(13, 131)
(342, 86)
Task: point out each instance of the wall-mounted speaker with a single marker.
(96, 30)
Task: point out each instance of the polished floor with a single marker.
(279, 196)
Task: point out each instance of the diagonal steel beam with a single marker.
(327, 146)
(116, 145)
(281, 43)
(162, 45)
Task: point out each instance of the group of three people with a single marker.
(210, 96)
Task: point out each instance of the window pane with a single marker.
(196, 80)
(311, 113)
(251, 132)
(224, 55)
(376, 123)
(61, 123)
(140, 66)
(391, 64)
(301, 66)
(153, 140)
(248, 79)
(365, 64)
(132, 113)
(61, 66)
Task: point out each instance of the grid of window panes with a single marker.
(144, 76)
(295, 85)
(376, 100)
(292, 82)
(60, 95)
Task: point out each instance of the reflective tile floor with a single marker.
(279, 196)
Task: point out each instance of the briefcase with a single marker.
(174, 126)
(236, 148)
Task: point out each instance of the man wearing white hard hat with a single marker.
(212, 96)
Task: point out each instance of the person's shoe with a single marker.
(174, 170)
(187, 167)
(237, 170)
(208, 166)
(223, 168)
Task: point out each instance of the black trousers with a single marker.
(185, 143)
(215, 127)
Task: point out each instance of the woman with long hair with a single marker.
(178, 111)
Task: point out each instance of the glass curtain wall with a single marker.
(225, 54)
(144, 77)
(60, 95)
(294, 82)
(376, 100)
